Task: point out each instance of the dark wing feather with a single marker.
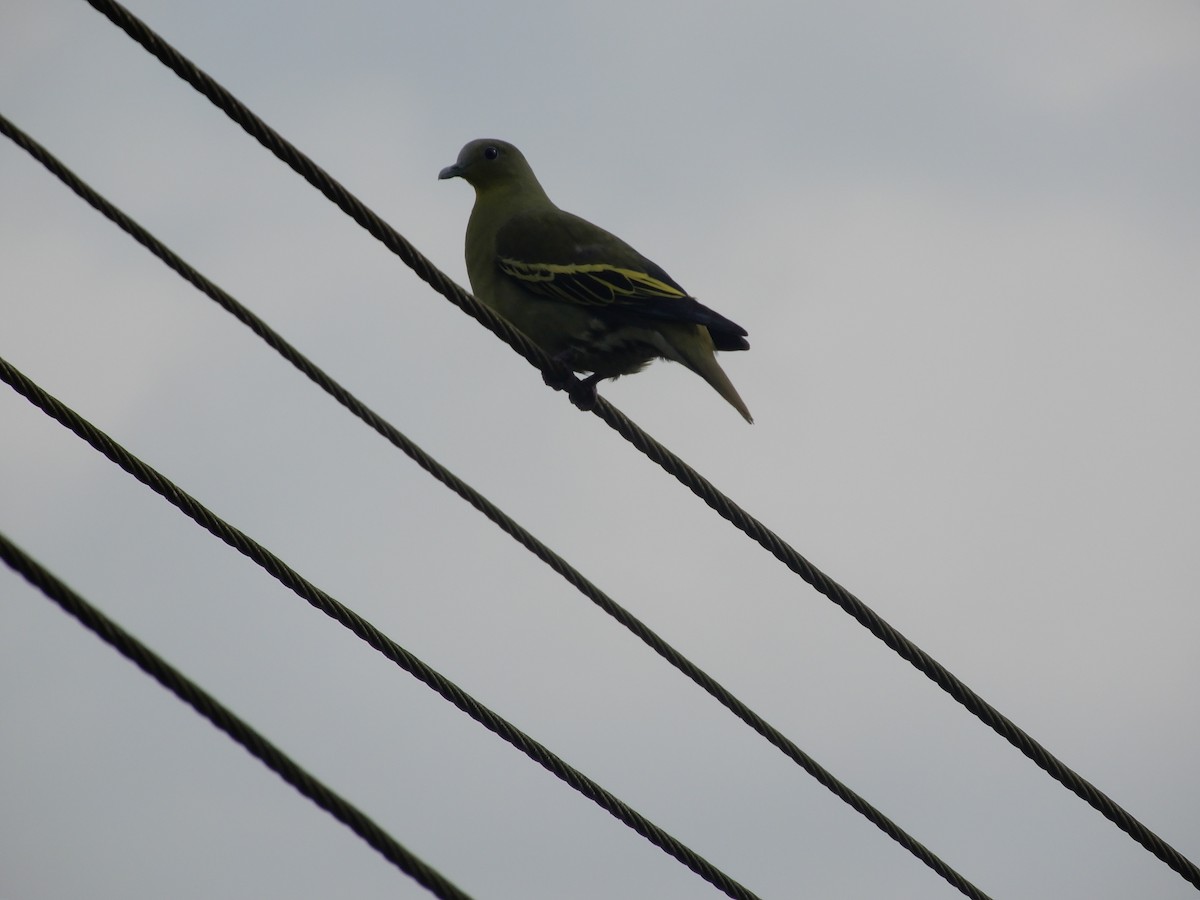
(563, 257)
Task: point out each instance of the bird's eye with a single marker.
(490, 152)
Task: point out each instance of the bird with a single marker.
(585, 297)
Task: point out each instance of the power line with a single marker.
(670, 463)
(345, 616)
(496, 515)
(223, 718)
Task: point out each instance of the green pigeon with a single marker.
(583, 295)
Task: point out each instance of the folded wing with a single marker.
(579, 263)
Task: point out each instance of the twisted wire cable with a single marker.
(345, 616)
(667, 460)
(227, 721)
(492, 512)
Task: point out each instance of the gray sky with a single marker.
(964, 242)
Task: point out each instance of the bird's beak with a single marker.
(450, 172)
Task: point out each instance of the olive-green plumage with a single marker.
(583, 295)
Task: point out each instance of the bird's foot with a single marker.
(583, 392)
(560, 377)
(560, 381)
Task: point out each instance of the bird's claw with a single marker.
(583, 394)
(557, 380)
(581, 391)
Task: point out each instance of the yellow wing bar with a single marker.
(593, 284)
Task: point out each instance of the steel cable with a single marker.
(670, 463)
(224, 719)
(491, 511)
(345, 616)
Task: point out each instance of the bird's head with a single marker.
(488, 163)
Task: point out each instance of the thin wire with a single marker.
(669, 462)
(223, 718)
(496, 515)
(319, 599)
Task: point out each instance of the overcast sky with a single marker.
(965, 241)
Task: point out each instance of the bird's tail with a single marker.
(698, 356)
